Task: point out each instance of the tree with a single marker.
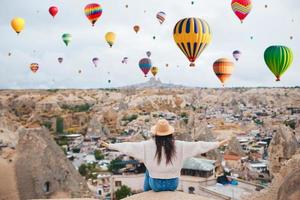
(115, 165)
(83, 170)
(59, 125)
(123, 192)
(98, 155)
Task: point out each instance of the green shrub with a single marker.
(47, 124)
(123, 192)
(98, 155)
(78, 108)
(59, 125)
(83, 170)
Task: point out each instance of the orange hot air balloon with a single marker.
(136, 28)
(34, 67)
(154, 71)
(223, 68)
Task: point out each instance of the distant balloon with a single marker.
(241, 8)
(223, 69)
(67, 38)
(192, 36)
(148, 53)
(95, 61)
(125, 60)
(154, 37)
(291, 37)
(79, 71)
(278, 59)
(34, 67)
(251, 37)
(53, 10)
(9, 54)
(266, 6)
(109, 81)
(60, 59)
(126, 6)
(167, 65)
(161, 16)
(192, 2)
(93, 12)
(136, 28)
(110, 38)
(237, 54)
(145, 65)
(154, 71)
(18, 24)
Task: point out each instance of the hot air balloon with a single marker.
(237, 54)
(145, 65)
(223, 68)
(34, 67)
(161, 16)
(79, 71)
(278, 59)
(241, 8)
(148, 53)
(136, 28)
(67, 37)
(126, 6)
(192, 35)
(95, 61)
(93, 11)
(125, 60)
(154, 71)
(154, 37)
(60, 59)
(53, 10)
(9, 54)
(167, 65)
(110, 38)
(18, 24)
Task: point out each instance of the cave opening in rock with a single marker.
(46, 187)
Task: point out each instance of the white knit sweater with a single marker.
(145, 151)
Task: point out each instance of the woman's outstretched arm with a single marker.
(191, 149)
(134, 149)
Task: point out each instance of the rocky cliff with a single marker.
(42, 169)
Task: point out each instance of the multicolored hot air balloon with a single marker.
(154, 71)
(60, 59)
(93, 12)
(278, 59)
(148, 53)
(223, 68)
(34, 67)
(95, 61)
(237, 54)
(53, 10)
(67, 37)
(136, 28)
(18, 24)
(241, 8)
(192, 35)
(110, 38)
(145, 65)
(161, 16)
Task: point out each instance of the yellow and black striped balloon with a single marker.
(192, 35)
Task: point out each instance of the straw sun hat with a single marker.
(162, 128)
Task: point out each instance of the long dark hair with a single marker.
(169, 147)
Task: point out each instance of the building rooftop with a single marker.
(199, 164)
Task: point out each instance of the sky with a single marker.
(41, 42)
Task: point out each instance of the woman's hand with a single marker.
(104, 144)
(223, 142)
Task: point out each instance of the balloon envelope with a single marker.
(95, 61)
(145, 65)
(148, 53)
(110, 38)
(34, 67)
(60, 59)
(67, 37)
(237, 54)
(93, 12)
(278, 59)
(161, 16)
(18, 24)
(241, 8)
(53, 10)
(136, 28)
(154, 71)
(192, 36)
(223, 69)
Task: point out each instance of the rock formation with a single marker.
(234, 147)
(282, 147)
(44, 171)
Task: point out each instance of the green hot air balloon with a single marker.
(67, 38)
(278, 59)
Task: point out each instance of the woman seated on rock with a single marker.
(163, 156)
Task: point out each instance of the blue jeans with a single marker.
(159, 185)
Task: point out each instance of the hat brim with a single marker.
(169, 132)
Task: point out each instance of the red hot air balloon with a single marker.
(53, 10)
